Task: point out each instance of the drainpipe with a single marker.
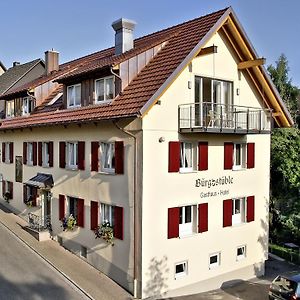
(135, 213)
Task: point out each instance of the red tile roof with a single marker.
(181, 40)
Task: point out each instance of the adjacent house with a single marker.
(18, 75)
(161, 142)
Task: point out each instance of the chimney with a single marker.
(16, 63)
(124, 35)
(51, 61)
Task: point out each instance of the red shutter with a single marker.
(203, 217)
(119, 157)
(62, 154)
(228, 156)
(250, 209)
(11, 152)
(81, 155)
(174, 156)
(80, 212)
(50, 154)
(173, 222)
(94, 215)
(250, 155)
(34, 146)
(95, 156)
(25, 193)
(227, 213)
(40, 153)
(24, 153)
(11, 189)
(202, 156)
(3, 188)
(3, 152)
(61, 207)
(118, 222)
(34, 196)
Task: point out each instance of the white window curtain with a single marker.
(108, 156)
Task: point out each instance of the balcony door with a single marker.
(213, 101)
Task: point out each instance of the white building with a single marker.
(166, 137)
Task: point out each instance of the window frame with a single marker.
(184, 272)
(194, 156)
(243, 156)
(10, 108)
(29, 105)
(242, 256)
(29, 158)
(104, 79)
(187, 228)
(74, 154)
(71, 105)
(243, 211)
(44, 163)
(7, 152)
(75, 199)
(103, 207)
(215, 264)
(103, 157)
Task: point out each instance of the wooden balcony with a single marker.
(221, 118)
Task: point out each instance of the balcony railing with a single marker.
(212, 117)
(39, 223)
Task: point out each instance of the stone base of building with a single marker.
(219, 282)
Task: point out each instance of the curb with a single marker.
(49, 262)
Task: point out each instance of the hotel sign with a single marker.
(221, 182)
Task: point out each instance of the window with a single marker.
(10, 108)
(238, 211)
(188, 156)
(239, 156)
(27, 105)
(214, 260)
(30, 153)
(74, 95)
(107, 214)
(181, 269)
(187, 220)
(72, 155)
(114, 215)
(107, 157)
(7, 190)
(76, 209)
(45, 154)
(73, 208)
(241, 252)
(7, 152)
(104, 89)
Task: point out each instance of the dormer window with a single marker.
(104, 89)
(10, 108)
(27, 105)
(74, 95)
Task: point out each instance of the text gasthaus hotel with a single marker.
(165, 140)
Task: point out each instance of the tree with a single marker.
(288, 92)
(285, 162)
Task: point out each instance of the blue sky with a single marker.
(76, 28)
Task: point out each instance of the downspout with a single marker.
(135, 213)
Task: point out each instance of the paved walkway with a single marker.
(90, 281)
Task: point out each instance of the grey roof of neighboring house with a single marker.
(14, 74)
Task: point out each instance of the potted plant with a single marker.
(7, 196)
(69, 223)
(106, 232)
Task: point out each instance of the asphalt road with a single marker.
(24, 275)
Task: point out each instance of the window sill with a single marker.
(45, 166)
(239, 224)
(240, 258)
(7, 162)
(103, 102)
(212, 267)
(73, 106)
(186, 171)
(188, 235)
(238, 168)
(107, 172)
(180, 276)
(72, 168)
(30, 164)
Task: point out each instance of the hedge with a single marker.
(285, 253)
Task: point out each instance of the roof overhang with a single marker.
(230, 25)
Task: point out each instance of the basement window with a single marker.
(181, 269)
